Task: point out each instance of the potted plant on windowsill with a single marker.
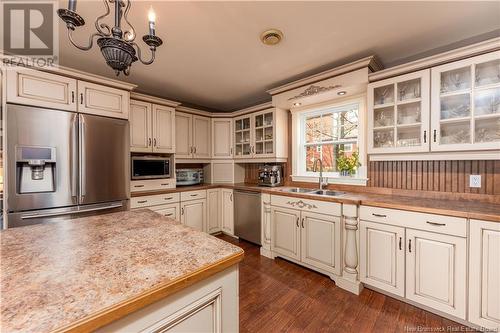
(347, 165)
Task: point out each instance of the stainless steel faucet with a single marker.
(322, 181)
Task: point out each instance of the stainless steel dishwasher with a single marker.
(247, 215)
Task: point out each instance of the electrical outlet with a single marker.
(475, 181)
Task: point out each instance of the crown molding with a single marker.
(153, 99)
(438, 59)
(371, 62)
(198, 112)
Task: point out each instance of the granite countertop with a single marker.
(84, 272)
(459, 208)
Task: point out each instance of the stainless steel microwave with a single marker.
(151, 167)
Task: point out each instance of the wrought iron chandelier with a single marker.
(117, 46)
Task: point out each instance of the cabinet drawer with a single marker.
(192, 195)
(450, 225)
(153, 200)
(324, 207)
(170, 210)
(151, 185)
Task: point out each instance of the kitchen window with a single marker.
(323, 133)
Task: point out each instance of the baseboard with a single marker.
(354, 287)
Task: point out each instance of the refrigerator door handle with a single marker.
(74, 158)
(82, 159)
(54, 214)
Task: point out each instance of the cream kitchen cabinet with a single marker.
(214, 210)
(194, 214)
(382, 250)
(193, 136)
(151, 128)
(103, 101)
(307, 231)
(262, 134)
(222, 138)
(465, 104)
(227, 211)
(484, 274)
(171, 210)
(398, 114)
(30, 87)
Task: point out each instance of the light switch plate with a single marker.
(475, 181)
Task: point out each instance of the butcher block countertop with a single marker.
(458, 208)
(78, 275)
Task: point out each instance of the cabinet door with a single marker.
(183, 135)
(465, 104)
(42, 89)
(222, 142)
(436, 271)
(264, 129)
(163, 129)
(320, 245)
(201, 137)
(213, 210)
(140, 127)
(227, 211)
(382, 257)
(243, 137)
(484, 274)
(285, 232)
(398, 114)
(171, 211)
(194, 214)
(102, 100)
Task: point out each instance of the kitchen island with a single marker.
(126, 271)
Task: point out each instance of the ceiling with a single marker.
(212, 55)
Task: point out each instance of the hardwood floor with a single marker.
(279, 296)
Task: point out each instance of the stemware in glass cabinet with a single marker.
(408, 90)
(384, 95)
(268, 119)
(268, 133)
(259, 134)
(488, 73)
(455, 106)
(408, 136)
(454, 133)
(383, 138)
(487, 130)
(269, 147)
(456, 80)
(383, 117)
(259, 120)
(409, 113)
(487, 102)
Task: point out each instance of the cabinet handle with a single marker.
(425, 136)
(142, 201)
(435, 135)
(169, 198)
(400, 245)
(194, 195)
(182, 211)
(163, 184)
(231, 197)
(231, 151)
(138, 185)
(194, 150)
(302, 223)
(379, 215)
(191, 150)
(154, 142)
(169, 214)
(81, 98)
(72, 97)
(298, 222)
(409, 245)
(149, 142)
(436, 224)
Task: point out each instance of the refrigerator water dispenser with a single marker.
(36, 168)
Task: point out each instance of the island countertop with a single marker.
(78, 275)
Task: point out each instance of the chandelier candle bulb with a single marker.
(152, 19)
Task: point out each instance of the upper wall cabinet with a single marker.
(192, 136)
(466, 104)
(151, 128)
(31, 87)
(42, 89)
(222, 138)
(262, 134)
(398, 114)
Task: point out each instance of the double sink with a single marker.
(313, 191)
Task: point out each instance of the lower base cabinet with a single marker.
(194, 214)
(484, 274)
(285, 232)
(171, 210)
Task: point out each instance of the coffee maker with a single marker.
(35, 169)
(270, 175)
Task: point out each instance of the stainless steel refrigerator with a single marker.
(64, 165)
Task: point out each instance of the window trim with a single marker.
(297, 134)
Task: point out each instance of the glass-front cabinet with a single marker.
(465, 104)
(398, 114)
(255, 134)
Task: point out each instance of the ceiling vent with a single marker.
(271, 37)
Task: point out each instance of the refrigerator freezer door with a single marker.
(104, 159)
(35, 132)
